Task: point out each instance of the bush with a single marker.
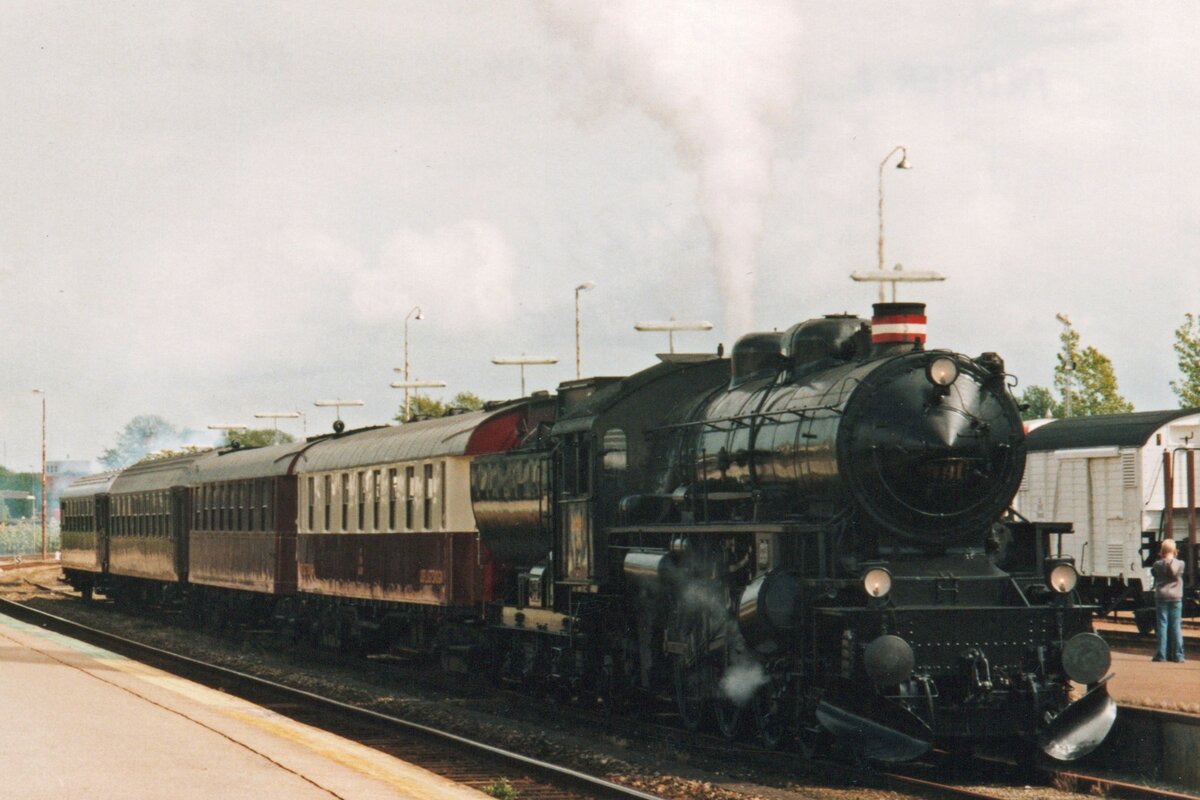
(502, 789)
(25, 538)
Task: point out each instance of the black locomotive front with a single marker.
(910, 612)
(811, 534)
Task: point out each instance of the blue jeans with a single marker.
(1170, 630)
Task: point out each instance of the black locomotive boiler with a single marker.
(811, 537)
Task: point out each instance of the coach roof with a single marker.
(427, 438)
(1103, 430)
(90, 485)
(163, 473)
(255, 462)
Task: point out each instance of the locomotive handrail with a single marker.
(745, 419)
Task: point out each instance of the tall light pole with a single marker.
(42, 392)
(277, 415)
(583, 287)
(671, 327)
(415, 310)
(229, 431)
(1069, 367)
(414, 385)
(524, 361)
(339, 404)
(902, 165)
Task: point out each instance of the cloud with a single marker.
(461, 274)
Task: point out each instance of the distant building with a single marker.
(59, 475)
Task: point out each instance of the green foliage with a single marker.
(502, 789)
(143, 434)
(1187, 350)
(18, 482)
(1092, 380)
(25, 538)
(1041, 403)
(258, 437)
(425, 406)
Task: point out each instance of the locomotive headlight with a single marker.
(942, 371)
(877, 582)
(1060, 574)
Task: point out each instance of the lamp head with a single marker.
(1063, 318)
(583, 287)
(419, 314)
(904, 162)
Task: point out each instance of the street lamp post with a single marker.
(338, 426)
(672, 326)
(43, 394)
(277, 415)
(1069, 366)
(522, 362)
(414, 385)
(229, 431)
(902, 165)
(415, 310)
(583, 287)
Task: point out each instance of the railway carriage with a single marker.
(242, 530)
(84, 533)
(149, 511)
(386, 542)
(1125, 483)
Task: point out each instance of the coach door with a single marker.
(100, 526)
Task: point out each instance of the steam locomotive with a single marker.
(808, 539)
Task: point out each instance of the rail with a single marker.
(473, 763)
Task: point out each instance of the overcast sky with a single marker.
(216, 209)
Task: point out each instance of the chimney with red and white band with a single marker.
(898, 327)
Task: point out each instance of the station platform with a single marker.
(78, 721)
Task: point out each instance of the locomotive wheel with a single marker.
(693, 693)
(729, 716)
(770, 715)
(814, 741)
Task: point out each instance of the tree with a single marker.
(425, 406)
(1187, 350)
(1040, 402)
(258, 437)
(143, 434)
(1092, 380)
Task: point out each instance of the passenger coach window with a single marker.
(312, 500)
(345, 500)
(328, 499)
(264, 494)
(251, 505)
(393, 493)
(376, 489)
(362, 500)
(410, 497)
(428, 496)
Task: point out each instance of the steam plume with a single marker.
(719, 76)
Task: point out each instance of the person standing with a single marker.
(1168, 602)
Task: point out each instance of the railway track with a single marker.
(455, 757)
(429, 747)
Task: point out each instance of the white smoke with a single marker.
(720, 77)
(742, 680)
(744, 675)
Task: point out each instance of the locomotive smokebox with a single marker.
(897, 328)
